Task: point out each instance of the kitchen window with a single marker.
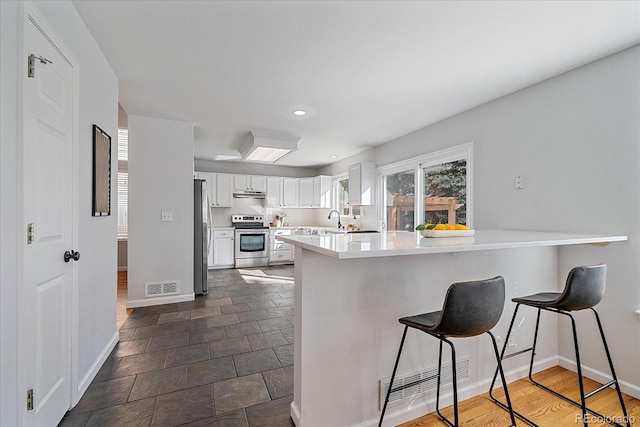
(443, 195)
(399, 188)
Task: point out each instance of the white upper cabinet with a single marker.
(322, 191)
(224, 190)
(290, 192)
(250, 182)
(305, 195)
(219, 189)
(274, 192)
(315, 192)
(362, 180)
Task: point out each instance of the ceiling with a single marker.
(366, 72)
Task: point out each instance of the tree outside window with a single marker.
(400, 204)
(445, 193)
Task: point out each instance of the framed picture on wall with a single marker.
(101, 172)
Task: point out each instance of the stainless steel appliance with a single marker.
(200, 236)
(251, 241)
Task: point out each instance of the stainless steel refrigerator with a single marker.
(201, 236)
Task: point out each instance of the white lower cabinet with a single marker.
(279, 252)
(222, 248)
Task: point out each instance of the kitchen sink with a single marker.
(351, 231)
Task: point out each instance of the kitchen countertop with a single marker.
(351, 289)
(398, 243)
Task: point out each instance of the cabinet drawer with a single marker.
(281, 255)
(222, 233)
(279, 246)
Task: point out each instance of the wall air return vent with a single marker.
(423, 381)
(158, 289)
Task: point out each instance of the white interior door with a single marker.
(48, 205)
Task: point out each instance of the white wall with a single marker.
(97, 276)
(575, 141)
(10, 276)
(160, 179)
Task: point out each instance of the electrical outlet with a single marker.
(512, 340)
(166, 216)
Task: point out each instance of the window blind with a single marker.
(123, 183)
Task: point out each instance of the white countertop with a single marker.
(398, 243)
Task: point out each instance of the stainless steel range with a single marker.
(251, 241)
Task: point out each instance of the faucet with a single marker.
(329, 217)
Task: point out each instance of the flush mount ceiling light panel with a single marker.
(268, 148)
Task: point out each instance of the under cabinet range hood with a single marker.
(248, 194)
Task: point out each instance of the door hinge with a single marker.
(30, 233)
(30, 399)
(31, 64)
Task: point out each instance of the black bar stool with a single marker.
(469, 309)
(583, 290)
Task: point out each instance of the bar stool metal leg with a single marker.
(504, 380)
(495, 374)
(583, 396)
(393, 376)
(461, 317)
(613, 372)
(454, 380)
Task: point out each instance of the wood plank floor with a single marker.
(538, 405)
(122, 311)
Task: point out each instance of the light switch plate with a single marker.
(166, 216)
(518, 183)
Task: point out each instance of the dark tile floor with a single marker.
(225, 359)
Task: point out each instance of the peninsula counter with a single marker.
(350, 291)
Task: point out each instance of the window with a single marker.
(123, 183)
(445, 193)
(399, 200)
(444, 189)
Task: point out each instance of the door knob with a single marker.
(71, 255)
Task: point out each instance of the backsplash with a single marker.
(221, 217)
(292, 217)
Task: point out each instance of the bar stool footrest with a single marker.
(602, 387)
(516, 353)
(516, 413)
(608, 420)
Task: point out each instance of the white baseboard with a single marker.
(421, 406)
(601, 377)
(295, 414)
(161, 300)
(95, 367)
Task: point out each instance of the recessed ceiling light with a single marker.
(333, 156)
(299, 112)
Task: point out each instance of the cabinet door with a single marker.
(223, 252)
(362, 183)
(258, 183)
(241, 182)
(322, 191)
(290, 192)
(354, 184)
(210, 179)
(224, 190)
(306, 192)
(274, 192)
